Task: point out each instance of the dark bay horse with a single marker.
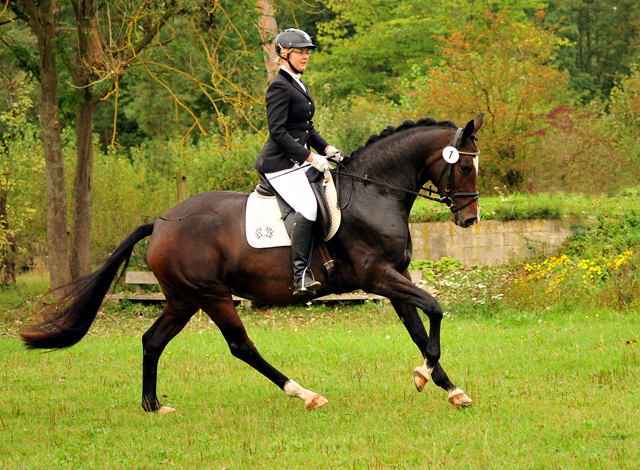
(199, 253)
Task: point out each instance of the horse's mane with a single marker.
(408, 124)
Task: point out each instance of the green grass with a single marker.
(552, 389)
(17, 301)
(554, 376)
(573, 208)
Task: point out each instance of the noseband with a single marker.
(449, 197)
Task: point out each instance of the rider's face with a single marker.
(299, 58)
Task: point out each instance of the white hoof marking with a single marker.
(164, 410)
(421, 376)
(458, 398)
(311, 399)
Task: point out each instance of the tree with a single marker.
(505, 70)
(40, 18)
(99, 44)
(370, 46)
(268, 28)
(604, 40)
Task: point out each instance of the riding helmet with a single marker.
(292, 38)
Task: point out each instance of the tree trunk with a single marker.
(82, 188)
(9, 250)
(268, 28)
(89, 55)
(46, 32)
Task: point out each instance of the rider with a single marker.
(290, 110)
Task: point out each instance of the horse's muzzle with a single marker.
(469, 222)
(463, 222)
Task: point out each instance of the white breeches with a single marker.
(293, 186)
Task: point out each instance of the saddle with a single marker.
(269, 219)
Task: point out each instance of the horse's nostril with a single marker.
(471, 221)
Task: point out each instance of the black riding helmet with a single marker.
(292, 38)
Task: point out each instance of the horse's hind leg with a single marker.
(412, 322)
(175, 316)
(224, 314)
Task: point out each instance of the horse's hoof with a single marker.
(315, 402)
(165, 410)
(460, 399)
(419, 379)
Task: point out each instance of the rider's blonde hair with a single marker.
(279, 60)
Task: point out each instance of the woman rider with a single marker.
(286, 157)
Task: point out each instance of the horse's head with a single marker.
(455, 173)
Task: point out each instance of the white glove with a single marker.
(320, 163)
(334, 154)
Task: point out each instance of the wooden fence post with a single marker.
(181, 181)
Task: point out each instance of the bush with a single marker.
(348, 124)
(579, 152)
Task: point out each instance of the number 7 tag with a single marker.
(450, 154)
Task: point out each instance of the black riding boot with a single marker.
(301, 249)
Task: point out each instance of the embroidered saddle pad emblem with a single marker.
(265, 227)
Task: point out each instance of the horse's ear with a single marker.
(477, 123)
(472, 127)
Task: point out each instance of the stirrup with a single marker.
(304, 285)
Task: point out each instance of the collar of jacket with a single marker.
(289, 77)
(293, 74)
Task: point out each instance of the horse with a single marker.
(199, 254)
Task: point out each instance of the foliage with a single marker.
(602, 42)
(20, 160)
(505, 71)
(431, 268)
(147, 182)
(18, 59)
(348, 124)
(369, 47)
(581, 152)
(624, 115)
(611, 281)
(208, 76)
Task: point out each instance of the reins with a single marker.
(238, 191)
(448, 199)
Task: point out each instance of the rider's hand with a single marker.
(334, 154)
(319, 162)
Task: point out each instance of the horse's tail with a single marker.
(68, 320)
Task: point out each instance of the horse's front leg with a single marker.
(412, 322)
(391, 284)
(406, 297)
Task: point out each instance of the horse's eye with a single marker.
(466, 169)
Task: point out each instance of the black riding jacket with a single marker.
(290, 113)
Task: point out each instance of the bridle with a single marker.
(450, 196)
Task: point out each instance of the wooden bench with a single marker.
(138, 279)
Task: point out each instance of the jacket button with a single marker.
(309, 103)
(307, 132)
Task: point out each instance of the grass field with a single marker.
(557, 389)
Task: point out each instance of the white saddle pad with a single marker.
(265, 227)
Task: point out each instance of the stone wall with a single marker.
(491, 242)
